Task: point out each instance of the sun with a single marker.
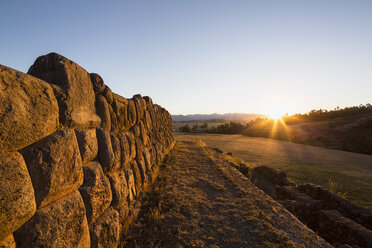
(276, 115)
(277, 109)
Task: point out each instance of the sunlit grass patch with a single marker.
(303, 164)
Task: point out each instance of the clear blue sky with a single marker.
(205, 56)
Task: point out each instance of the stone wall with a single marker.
(336, 219)
(74, 157)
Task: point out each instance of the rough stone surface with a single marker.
(88, 144)
(73, 88)
(105, 232)
(96, 191)
(131, 184)
(139, 147)
(55, 166)
(58, 225)
(132, 113)
(119, 188)
(136, 176)
(17, 200)
(120, 109)
(8, 242)
(143, 134)
(107, 93)
(136, 131)
(28, 109)
(116, 148)
(114, 121)
(103, 112)
(147, 121)
(339, 228)
(98, 83)
(139, 107)
(105, 153)
(125, 149)
(132, 144)
(148, 101)
(142, 169)
(120, 193)
(87, 174)
(147, 158)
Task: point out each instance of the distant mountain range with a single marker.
(228, 116)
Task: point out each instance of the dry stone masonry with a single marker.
(336, 219)
(74, 157)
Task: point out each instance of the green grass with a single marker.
(351, 172)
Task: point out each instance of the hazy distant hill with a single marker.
(228, 116)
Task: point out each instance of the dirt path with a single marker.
(201, 201)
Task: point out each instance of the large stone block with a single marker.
(17, 199)
(139, 147)
(116, 148)
(132, 144)
(136, 176)
(132, 113)
(107, 93)
(28, 109)
(136, 130)
(125, 149)
(143, 134)
(88, 144)
(139, 107)
(143, 171)
(96, 191)
(105, 232)
(147, 158)
(147, 121)
(119, 188)
(58, 225)
(98, 83)
(344, 230)
(105, 153)
(149, 104)
(120, 193)
(120, 108)
(103, 112)
(55, 166)
(73, 88)
(114, 121)
(8, 242)
(129, 175)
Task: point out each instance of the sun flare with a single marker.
(276, 115)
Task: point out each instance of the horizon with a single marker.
(204, 57)
(249, 113)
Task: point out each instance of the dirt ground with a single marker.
(199, 200)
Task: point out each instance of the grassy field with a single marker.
(210, 124)
(303, 164)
